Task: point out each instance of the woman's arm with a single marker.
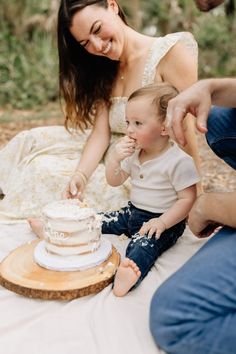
(96, 144)
(179, 68)
(92, 154)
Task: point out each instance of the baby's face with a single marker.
(143, 123)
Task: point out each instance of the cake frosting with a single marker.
(71, 228)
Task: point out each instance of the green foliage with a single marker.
(214, 32)
(28, 53)
(155, 12)
(28, 74)
(217, 54)
(28, 60)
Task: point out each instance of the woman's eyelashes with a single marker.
(95, 31)
(84, 44)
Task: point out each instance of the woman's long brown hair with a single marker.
(85, 80)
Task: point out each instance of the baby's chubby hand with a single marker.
(154, 226)
(125, 147)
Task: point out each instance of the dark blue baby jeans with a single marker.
(143, 250)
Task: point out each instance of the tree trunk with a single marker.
(134, 8)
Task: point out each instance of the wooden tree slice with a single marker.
(20, 273)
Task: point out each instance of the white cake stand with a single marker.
(72, 263)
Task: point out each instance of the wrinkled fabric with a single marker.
(95, 324)
(37, 164)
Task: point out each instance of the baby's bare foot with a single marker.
(37, 227)
(126, 276)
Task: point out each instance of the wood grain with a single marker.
(20, 273)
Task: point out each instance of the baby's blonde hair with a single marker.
(159, 93)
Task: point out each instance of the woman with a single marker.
(102, 61)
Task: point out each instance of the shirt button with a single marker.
(141, 176)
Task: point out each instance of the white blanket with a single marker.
(96, 324)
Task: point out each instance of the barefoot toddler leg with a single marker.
(126, 276)
(37, 227)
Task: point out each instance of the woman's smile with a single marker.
(107, 48)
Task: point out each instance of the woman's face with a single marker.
(99, 30)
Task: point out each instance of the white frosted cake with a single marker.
(71, 228)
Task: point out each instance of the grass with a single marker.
(48, 112)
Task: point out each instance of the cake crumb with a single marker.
(101, 270)
(122, 237)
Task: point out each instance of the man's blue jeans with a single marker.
(142, 250)
(221, 135)
(194, 311)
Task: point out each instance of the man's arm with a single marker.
(212, 209)
(198, 100)
(223, 92)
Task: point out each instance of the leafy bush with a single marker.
(28, 53)
(28, 59)
(214, 32)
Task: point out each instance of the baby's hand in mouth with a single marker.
(136, 145)
(132, 142)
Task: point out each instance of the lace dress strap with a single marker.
(160, 48)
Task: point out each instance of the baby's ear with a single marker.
(164, 131)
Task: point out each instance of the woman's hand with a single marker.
(154, 226)
(124, 148)
(75, 188)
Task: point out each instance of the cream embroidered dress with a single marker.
(37, 164)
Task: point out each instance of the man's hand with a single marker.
(198, 222)
(195, 100)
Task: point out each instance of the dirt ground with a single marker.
(216, 175)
